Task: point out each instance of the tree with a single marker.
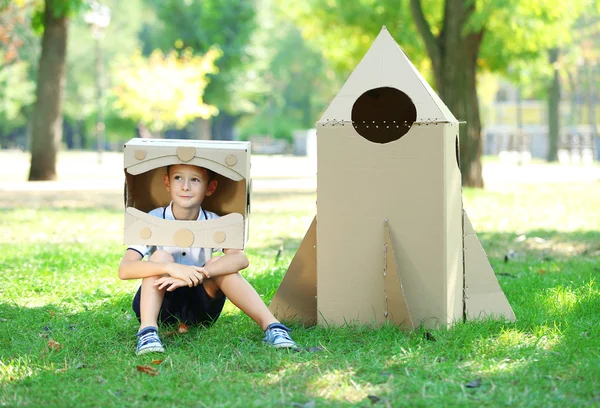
(163, 90)
(200, 25)
(553, 107)
(46, 121)
(459, 38)
(16, 89)
(296, 81)
(81, 101)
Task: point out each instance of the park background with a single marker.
(523, 75)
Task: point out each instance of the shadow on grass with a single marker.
(547, 355)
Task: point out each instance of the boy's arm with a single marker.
(132, 267)
(233, 261)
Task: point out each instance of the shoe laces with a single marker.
(278, 332)
(150, 335)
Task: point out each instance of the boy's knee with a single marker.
(161, 256)
(149, 280)
(212, 260)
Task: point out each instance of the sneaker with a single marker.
(148, 341)
(277, 335)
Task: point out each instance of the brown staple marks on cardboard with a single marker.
(397, 307)
(295, 298)
(484, 296)
(413, 181)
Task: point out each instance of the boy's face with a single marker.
(188, 185)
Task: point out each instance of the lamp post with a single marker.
(98, 18)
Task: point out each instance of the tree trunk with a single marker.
(591, 99)
(223, 126)
(454, 58)
(553, 109)
(47, 118)
(202, 129)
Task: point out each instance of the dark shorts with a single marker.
(186, 305)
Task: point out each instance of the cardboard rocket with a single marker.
(145, 163)
(390, 241)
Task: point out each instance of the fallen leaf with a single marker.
(147, 369)
(374, 398)
(542, 271)
(473, 384)
(157, 362)
(54, 345)
(51, 313)
(183, 328)
(429, 336)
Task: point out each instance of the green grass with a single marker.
(58, 269)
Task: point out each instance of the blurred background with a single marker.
(78, 78)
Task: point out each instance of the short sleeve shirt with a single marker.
(185, 256)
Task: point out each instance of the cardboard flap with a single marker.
(224, 232)
(483, 295)
(395, 300)
(296, 297)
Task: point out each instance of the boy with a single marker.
(187, 284)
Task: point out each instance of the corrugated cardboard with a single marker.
(396, 310)
(296, 298)
(388, 164)
(145, 163)
(483, 295)
(413, 182)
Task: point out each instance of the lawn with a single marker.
(67, 329)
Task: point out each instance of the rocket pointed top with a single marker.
(386, 65)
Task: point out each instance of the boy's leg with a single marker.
(151, 297)
(150, 301)
(242, 294)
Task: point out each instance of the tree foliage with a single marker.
(201, 24)
(164, 90)
(16, 88)
(16, 91)
(297, 82)
(455, 37)
(117, 42)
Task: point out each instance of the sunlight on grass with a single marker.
(340, 385)
(16, 370)
(59, 269)
(564, 207)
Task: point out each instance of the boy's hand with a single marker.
(170, 283)
(191, 275)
